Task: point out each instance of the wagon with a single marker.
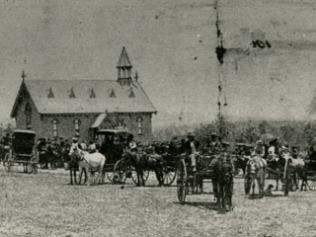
(187, 179)
(22, 151)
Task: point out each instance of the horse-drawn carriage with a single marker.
(22, 151)
(218, 169)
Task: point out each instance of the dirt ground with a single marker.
(44, 205)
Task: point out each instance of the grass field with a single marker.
(44, 205)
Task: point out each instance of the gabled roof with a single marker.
(124, 60)
(82, 103)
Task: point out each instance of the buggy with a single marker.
(111, 143)
(218, 169)
(22, 151)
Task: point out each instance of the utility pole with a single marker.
(220, 52)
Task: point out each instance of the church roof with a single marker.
(82, 102)
(124, 59)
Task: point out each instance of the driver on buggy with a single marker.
(190, 147)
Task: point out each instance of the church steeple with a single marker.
(124, 68)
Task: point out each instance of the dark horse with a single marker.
(73, 165)
(223, 181)
(144, 161)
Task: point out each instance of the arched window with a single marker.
(28, 116)
(55, 127)
(77, 126)
(140, 125)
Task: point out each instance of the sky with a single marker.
(171, 44)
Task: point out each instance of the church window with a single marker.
(131, 94)
(112, 94)
(77, 126)
(50, 93)
(55, 127)
(92, 93)
(140, 125)
(28, 116)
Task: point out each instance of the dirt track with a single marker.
(44, 205)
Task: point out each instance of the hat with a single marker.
(190, 134)
(75, 139)
(284, 148)
(214, 134)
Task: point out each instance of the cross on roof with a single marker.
(23, 75)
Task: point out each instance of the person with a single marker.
(74, 144)
(83, 145)
(260, 148)
(214, 144)
(295, 152)
(92, 148)
(190, 148)
(273, 150)
(132, 145)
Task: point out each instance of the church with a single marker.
(64, 108)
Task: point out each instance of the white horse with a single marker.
(91, 163)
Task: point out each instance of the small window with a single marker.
(112, 94)
(55, 127)
(131, 94)
(72, 93)
(92, 93)
(50, 93)
(77, 126)
(28, 116)
(140, 125)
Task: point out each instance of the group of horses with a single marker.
(284, 168)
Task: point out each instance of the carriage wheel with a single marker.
(181, 181)
(286, 180)
(247, 184)
(134, 175)
(120, 172)
(6, 158)
(169, 175)
(7, 162)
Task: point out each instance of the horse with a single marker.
(255, 171)
(294, 166)
(297, 169)
(240, 162)
(73, 165)
(223, 181)
(89, 162)
(143, 161)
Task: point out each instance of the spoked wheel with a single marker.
(169, 175)
(181, 181)
(7, 161)
(134, 175)
(121, 169)
(247, 184)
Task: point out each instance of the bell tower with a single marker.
(124, 68)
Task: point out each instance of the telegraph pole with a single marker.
(220, 52)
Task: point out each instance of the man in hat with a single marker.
(190, 147)
(74, 144)
(260, 148)
(273, 150)
(214, 143)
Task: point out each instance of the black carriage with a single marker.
(22, 151)
(111, 143)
